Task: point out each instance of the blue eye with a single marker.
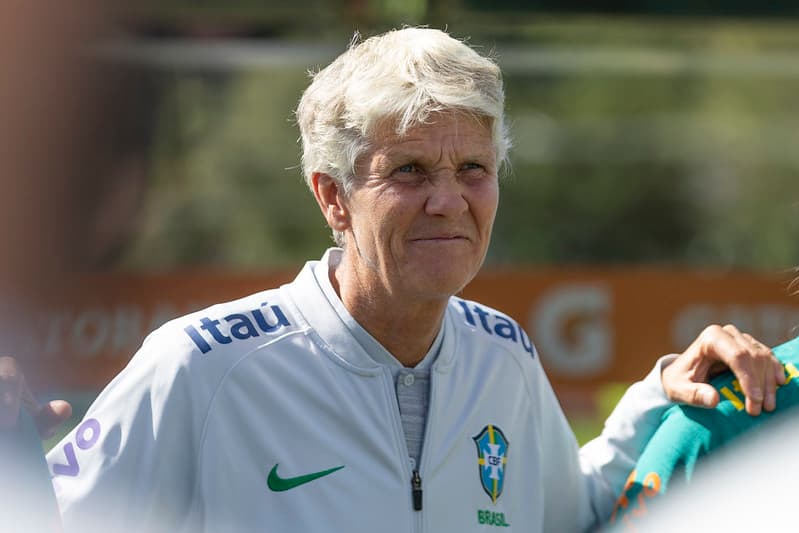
(472, 166)
(407, 168)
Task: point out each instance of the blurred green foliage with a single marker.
(636, 141)
(229, 192)
(587, 425)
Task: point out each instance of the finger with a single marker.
(779, 369)
(728, 346)
(754, 407)
(773, 371)
(48, 417)
(773, 376)
(779, 373)
(751, 382)
(703, 395)
(10, 392)
(748, 360)
(696, 394)
(52, 415)
(770, 399)
(778, 379)
(15, 395)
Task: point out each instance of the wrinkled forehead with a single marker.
(453, 123)
(444, 136)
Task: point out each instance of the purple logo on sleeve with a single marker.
(86, 436)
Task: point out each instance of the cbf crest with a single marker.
(492, 456)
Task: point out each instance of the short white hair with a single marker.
(400, 77)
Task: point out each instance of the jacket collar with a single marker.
(314, 297)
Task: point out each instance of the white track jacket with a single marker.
(265, 414)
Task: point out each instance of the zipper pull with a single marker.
(416, 490)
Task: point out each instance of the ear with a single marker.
(330, 197)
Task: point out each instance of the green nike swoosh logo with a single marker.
(279, 484)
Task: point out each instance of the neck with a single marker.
(406, 329)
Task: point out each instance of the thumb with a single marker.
(48, 416)
(52, 415)
(696, 394)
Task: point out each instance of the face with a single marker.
(421, 210)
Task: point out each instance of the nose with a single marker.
(446, 198)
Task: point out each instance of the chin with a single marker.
(445, 284)
(442, 273)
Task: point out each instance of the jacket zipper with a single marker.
(416, 490)
(416, 497)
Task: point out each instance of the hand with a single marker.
(15, 394)
(718, 348)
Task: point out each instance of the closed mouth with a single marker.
(440, 238)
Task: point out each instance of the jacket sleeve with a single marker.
(607, 460)
(130, 464)
(582, 484)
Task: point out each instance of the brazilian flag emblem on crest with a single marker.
(492, 456)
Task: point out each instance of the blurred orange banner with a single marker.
(590, 326)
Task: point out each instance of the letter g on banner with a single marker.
(571, 329)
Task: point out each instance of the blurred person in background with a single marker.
(75, 139)
(365, 395)
(75, 133)
(44, 110)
